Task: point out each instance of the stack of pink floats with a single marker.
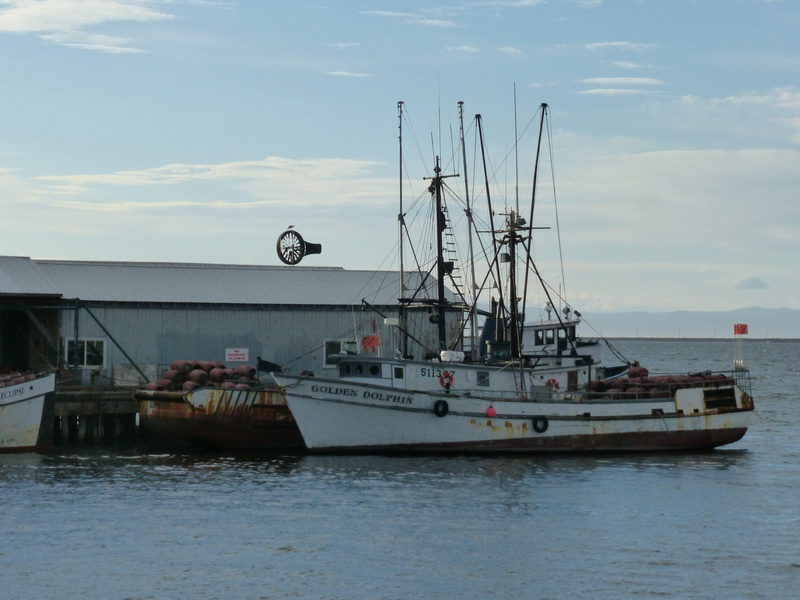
(9, 378)
(640, 384)
(187, 375)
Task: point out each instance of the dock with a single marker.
(90, 414)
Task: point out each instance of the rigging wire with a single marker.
(555, 207)
(480, 192)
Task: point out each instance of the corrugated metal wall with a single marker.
(154, 336)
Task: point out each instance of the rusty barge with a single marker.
(205, 405)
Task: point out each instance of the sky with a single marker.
(199, 130)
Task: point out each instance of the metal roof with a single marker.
(201, 283)
(20, 276)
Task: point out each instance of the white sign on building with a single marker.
(237, 355)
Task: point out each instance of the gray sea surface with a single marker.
(136, 523)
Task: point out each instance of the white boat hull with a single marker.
(336, 416)
(24, 415)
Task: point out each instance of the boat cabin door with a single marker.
(398, 376)
(572, 380)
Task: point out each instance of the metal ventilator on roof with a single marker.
(292, 247)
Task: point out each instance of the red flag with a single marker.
(370, 341)
(740, 329)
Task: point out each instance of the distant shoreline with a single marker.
(696, 339)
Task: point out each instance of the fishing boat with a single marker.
(519, 386)
(26, 411)
(189, 408)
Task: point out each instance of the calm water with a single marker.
(134, 524)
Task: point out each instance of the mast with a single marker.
(536, 163)
(516, 153)
(513, 222)
(473, 316)
(442, 269)
(400, 224)
(513, 303)
(441, 224)
(488, 196)
(529, 240)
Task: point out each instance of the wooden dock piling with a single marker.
(87, 415)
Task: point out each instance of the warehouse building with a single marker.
(122, 323)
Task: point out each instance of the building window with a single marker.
(87, 353)
(334, 349)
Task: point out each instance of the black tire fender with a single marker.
(540, 424)
(441, 408)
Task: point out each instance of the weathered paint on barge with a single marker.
(210, 417)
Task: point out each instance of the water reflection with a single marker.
(151, 523)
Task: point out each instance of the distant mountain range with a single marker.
(762, 323)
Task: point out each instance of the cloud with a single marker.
(411, 18)
(692, 223)
(776, 112)
(543, 84)
(509, 50)
(348, 74)
(623, 81)
(343, 45)
(510, 3)
(626, 64)
(612, 92)
(66, 22)
(722, 203)
(751, 283)
(618, 81)
(87, 41)
(625, 46)
(464, 48)
(311, 181)
(197, 203)
(785, 101)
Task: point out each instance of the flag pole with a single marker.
(739, 330)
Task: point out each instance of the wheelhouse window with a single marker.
(548, 336)
(562, 339)
(483, 378)
(357, 369)
(334, 349)
(86, 352)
